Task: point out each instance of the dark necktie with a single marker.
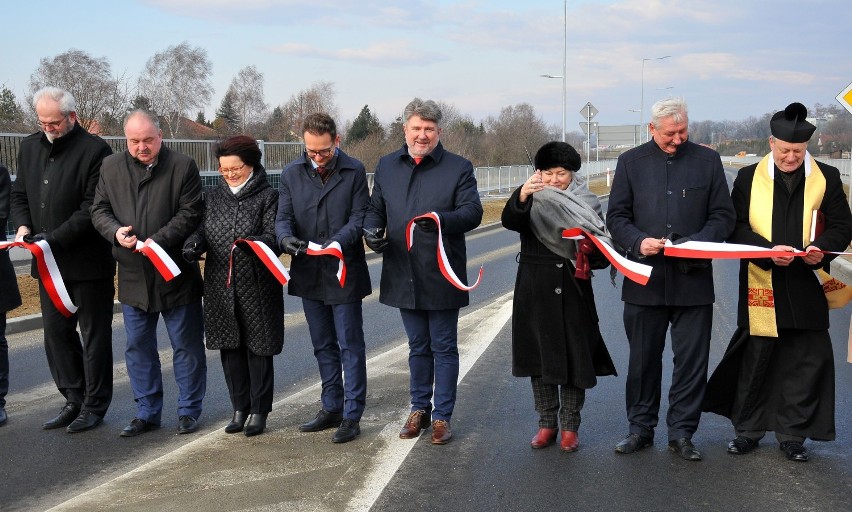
(323, 173)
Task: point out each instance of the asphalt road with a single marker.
(489, 465)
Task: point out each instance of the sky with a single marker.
(729, 59)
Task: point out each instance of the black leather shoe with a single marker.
(633, 443)
(237, 423)
(255, 424)
(187, 425)
(68, 414)
(87, 420)
(742, 445)
(3, 416)
(685, 449)
(138, 426)
(349, 430)
(322, 421)
(794, 451)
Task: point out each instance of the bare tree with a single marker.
(248, 98)
(507, 134)
(319, 97)
(89, 79)
(177, 81)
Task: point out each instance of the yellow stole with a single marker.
(761, 302)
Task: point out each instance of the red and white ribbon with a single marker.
(333, 249)
(636, 272)
(443, 261)
(164, 264)
(49, 275)
(725, 251)
(267, 257)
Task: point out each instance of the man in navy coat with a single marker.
(420, 178)
(668, 188)
(322, 198)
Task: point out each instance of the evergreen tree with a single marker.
(363, 126)
(11, 116)
(227, 120)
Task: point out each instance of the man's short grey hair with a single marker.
(144, 113)
(427, 110)
(67, 103)
(670, 107)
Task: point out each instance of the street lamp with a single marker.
(563, 100)
(642, 100)
(564, 66)
(638, 127)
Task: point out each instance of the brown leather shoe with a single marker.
(544, 438)
(417, 421)
(441, 433)
(569, 442)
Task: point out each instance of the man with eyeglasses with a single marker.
(150, 192)
(58, 170)
(322, 198)
(419, 178)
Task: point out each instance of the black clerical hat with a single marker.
(790, 124)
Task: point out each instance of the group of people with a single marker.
(778, 371)
(95, 209)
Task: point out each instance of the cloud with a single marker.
(383, 54)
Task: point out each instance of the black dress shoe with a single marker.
(3, 416)
(633, 442)
(237, 423)
(137, 426)
(87, 420)
(187, 425)
(255, 424)
(685, 449)
(322, 421)
(795, 451)
(349, 430)
(68, 414)
(742, 445)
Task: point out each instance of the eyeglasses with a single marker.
(52, 124)
(320, 152)
(232, 171)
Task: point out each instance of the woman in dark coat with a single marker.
(555, 336)
(11, 297)
(244, 321)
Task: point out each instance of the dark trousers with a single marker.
(4, 361)
(433, 359)
(646, 328)
(185, 325)
(250, 379)
(337, 334)
(547, 399)
(82, 371)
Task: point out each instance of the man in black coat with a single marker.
(420, 178)
(322, 198)
(152, 193)
(58, 170)
(668, 188)
(778, 372)
(11, 296)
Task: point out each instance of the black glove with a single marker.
(375, 240)
(31, 238)
(327, 243)
(292, 245)
(192, 252)
(687, 265)
(427, 225)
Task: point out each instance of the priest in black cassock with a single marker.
(778, 372)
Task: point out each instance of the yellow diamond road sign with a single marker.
(845, 98)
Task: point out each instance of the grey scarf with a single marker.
(553, 210)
